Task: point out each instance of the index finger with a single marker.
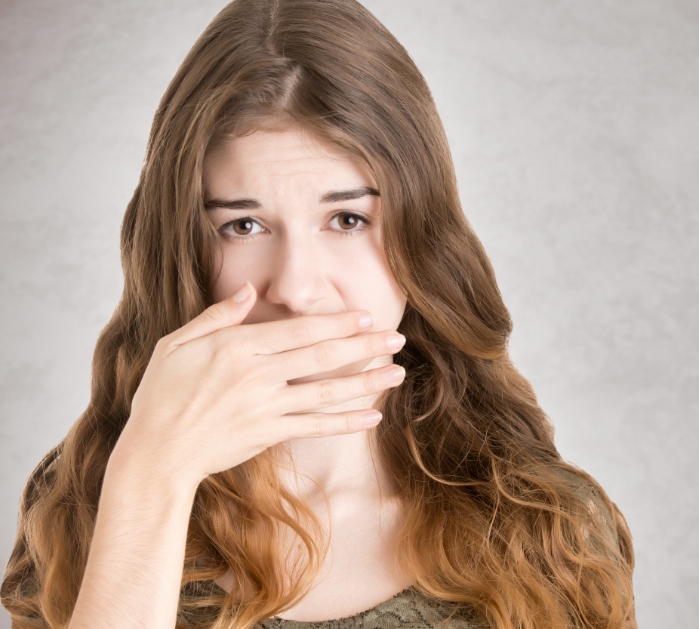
(274, 337)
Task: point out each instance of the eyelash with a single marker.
(239, 238)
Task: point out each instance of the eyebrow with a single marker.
(349, 195)
(233, 204)
(334, 196)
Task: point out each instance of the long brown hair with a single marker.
(493, 518)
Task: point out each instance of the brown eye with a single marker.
(242, 227)
(348, 221)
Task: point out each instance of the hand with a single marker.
(215, 393)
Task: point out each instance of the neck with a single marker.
(334, 465)
(339, 463)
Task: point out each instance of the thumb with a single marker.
(229, 311)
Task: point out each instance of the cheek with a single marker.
(235, 270)
(367, 283)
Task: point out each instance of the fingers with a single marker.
(310, 396)
(273, 337)
(228, 312)
(334, 353)
(326, 424)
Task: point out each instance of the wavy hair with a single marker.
(494, 520)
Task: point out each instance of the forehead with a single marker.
(291, 154)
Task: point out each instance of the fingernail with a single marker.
(394, 375)
(371, 418)
(243, 293)
(366, 320)
(395, 341)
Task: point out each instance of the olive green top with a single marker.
(408, 609)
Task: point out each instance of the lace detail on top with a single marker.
(407, 609)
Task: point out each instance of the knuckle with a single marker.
(325, 393)
(216, 349)
(317, 425)
(311, 425)
(165, 344)
(215, 313)
(239, 337)
(298, 427)
(325, 354)
(347, 423)
(255, 372)
(302, 334)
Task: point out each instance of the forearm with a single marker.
(133, 573)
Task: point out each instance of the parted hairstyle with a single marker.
(493, 519)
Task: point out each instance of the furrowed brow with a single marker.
(334, 196)
(348, 195)
(232, 204)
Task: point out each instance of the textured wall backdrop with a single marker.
(575, 132)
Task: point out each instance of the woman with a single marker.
(297, 207)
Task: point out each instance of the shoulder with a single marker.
(597, 510)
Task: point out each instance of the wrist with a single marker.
(148, 472)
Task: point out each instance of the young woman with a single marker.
(303, 413)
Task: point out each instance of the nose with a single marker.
(298, 280)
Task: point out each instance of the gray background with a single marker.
(575, 132)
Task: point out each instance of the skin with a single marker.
(283, 356)
(307, 257)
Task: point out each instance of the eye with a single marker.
(350, 223)
(240, 229)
